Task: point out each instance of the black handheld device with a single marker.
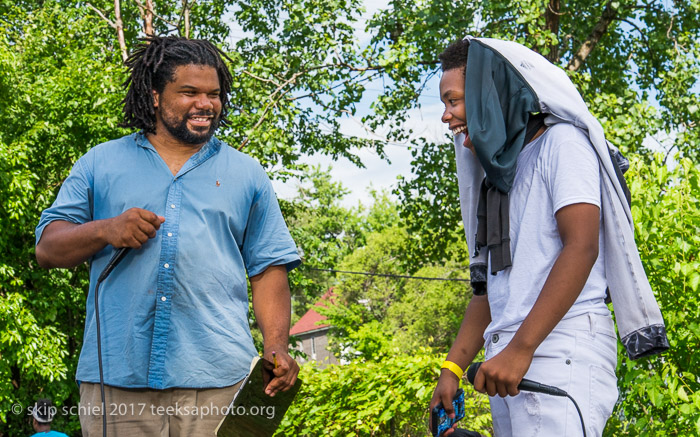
(440, 421)
(525, 384)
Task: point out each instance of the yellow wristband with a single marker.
(454, 368)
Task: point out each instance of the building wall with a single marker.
(315, 346)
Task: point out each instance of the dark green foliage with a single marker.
(60, 97)
(378, 316)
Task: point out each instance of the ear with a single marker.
(156, 97)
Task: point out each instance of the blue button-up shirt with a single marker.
(174, 313)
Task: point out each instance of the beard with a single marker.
(198, 135)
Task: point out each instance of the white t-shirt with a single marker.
(559, 168)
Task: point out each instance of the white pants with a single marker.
(579, 356)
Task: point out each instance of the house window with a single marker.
(313, 347)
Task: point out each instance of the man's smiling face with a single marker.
(189, 107)
(452, 95)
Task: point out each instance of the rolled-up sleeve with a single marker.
(267, 240)
(74, 201)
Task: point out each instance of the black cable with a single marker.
(386, 275)
(99, 360)
(531, 386)
(118, 256)
(580, 416)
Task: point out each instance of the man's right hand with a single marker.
(132, 228)
(65, 244)
(447, 386)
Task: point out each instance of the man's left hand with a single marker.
(285, 373)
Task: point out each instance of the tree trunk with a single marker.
(148, 19)
(119, 25)
(599, 30)
(186, 14)
(552, 24)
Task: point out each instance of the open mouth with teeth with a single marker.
(200, 120)
(459, 129)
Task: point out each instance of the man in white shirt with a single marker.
(544, 315)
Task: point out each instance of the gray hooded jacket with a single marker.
(639, 321)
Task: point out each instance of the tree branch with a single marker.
(117, 25)
(260, 78)
(272, 102)
(668, 152)
(110, 22)
(331, 88)
(153, 12)
(186, 6)
(609, 14)
(641, 33)
(142, 11)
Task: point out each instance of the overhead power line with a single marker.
(386, 275)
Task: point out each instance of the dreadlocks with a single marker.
(455, 55)
(153, 65)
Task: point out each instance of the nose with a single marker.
(446, 116)
(204, 102)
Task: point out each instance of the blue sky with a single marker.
(378, 173)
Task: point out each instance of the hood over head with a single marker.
(498, 102)
(505, 83)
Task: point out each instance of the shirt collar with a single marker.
(211, 147)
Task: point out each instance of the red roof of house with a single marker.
(310, 320)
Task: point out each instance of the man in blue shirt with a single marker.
(198, 215)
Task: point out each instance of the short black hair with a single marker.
(152, 66)
(455, 55)
(43, 411)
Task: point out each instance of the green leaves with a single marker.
(661, 395)
(374, 317)
(430, 204)
(59, 97)
(383, 398)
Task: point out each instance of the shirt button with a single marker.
(494, 338)
(172, 205)
(163, 298)
(170, 234)
(166, 265)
